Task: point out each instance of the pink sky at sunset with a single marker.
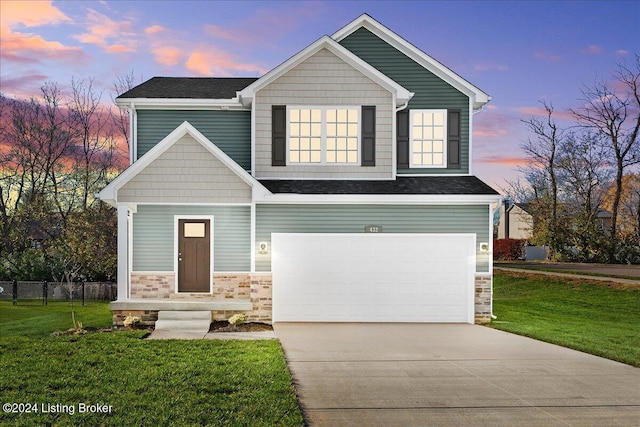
(520, 53)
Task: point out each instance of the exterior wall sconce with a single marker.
(263, 247)
(484, 247)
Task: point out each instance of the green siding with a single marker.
(430, 91)
(153, 236)
(228, 130)
(353, 218)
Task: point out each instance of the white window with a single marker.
(428, 138)
(323, 135)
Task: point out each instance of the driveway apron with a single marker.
(373, 374)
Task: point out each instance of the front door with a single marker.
(194, 255)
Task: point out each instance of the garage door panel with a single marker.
(373, 277)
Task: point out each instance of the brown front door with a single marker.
(194, 255)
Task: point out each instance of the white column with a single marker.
(123, 253)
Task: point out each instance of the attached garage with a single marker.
(373, 277)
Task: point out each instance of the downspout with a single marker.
(132, 136)
(493, 316)
(406, 104)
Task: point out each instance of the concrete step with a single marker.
(192, 321)
(184, 315)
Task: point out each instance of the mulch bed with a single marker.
(224, 326)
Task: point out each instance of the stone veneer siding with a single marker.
(152, 285)
(483, 298)
(242, 286)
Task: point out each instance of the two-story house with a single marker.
(336, 187)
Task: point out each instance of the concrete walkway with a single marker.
(190, 335)
(362, 374)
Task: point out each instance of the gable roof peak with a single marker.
(247, 94)
(479, 97)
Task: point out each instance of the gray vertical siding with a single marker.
(353, 218)
(153, 236)
(228, 130)
(430, 91)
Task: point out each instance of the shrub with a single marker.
(509, 249)
(237, 319)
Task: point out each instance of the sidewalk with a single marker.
(570, 275)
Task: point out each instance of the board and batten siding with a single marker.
(324, 80)
(186, 173)
(228, 130)
(153, 236)
(431, 92)
(354, 218)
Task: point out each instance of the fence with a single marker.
(45, 291)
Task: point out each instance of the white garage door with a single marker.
(373, 277)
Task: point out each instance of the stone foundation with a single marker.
(255, 288)
(483, 298)
(147, 317)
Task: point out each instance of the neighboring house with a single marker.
(515, 221)
(336, 187)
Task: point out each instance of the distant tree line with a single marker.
(57, 150)
(582, 182)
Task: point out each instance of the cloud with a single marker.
(155, 29)
(31, 14)
(112, 36)
(24, 85)
(24, 48)
(267, 25)
(547, 57)
(167, 55)
(493, 124)
(593, 49)
(211, 61)
(539, 111)
(28, 48)
(511, 161)
(622, 52)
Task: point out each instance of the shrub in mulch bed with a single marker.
(224, 326)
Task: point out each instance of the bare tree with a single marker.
(541, 171)
(612, 109)
(94, 142)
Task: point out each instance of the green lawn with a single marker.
(589, 316)
(146, 383)
(31, 318)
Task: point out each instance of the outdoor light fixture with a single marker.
(484, 247)
(263, 248)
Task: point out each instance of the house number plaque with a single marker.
(373, 229)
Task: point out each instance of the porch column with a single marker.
(123, 253)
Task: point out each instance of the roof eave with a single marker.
(418, 199)
(179, 103)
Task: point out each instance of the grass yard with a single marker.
(31, 318)
(145, 383)
(590, 316)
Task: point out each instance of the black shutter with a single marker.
(402, 139)
(453, 139)
(278, 135)
(369, 135)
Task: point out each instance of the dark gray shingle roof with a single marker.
(189, 87)
(460, 185)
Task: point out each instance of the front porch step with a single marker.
(192, 321)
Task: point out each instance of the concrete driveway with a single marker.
(359, 374)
